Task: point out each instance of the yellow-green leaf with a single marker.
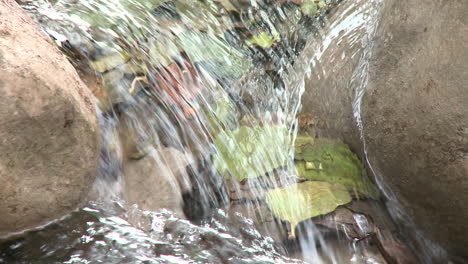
(309, 8)
(301, 201)
(263, 40)
(109, 62)
(250, 152)
(322, 4)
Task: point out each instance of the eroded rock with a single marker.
(48, 128)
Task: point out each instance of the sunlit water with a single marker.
(168, 81)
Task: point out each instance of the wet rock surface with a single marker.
(48, 128)
(327, 101)
(413, 110)
(415, 114)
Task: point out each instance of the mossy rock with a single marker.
(332, 161)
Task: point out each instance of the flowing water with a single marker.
(198, 103)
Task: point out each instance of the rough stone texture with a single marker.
(48, 128)
(415, 114)
(414, 111)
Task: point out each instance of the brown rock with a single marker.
(48, 128)
(415, 114)
(414, 110)
(158, 180)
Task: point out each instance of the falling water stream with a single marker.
(198, 103)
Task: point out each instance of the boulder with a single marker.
(48, 127)
(334, 54)
(414, 108)
(415, 114)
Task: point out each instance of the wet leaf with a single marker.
(215, 54)
(322, 4)
(309, 8)
(301, 201)
(222, 114)
(312, 7)
(334, 162)
(251, 152)
(263, 40)
(109, 62)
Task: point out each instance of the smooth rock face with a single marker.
(415, 114)
(48, 128)
(327, 103)
(414, 110)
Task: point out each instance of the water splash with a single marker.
(169, 88)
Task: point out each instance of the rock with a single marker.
(327, 103)
(158, 180)
(48, 128)
(415, 114)
(414, 111)
(262, 217)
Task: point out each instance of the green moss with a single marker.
(334, 162)
(302, 141)
(222, 114)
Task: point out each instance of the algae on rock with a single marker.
(332, 161)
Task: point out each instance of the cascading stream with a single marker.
(202, 157)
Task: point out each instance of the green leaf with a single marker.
(222, 114)
(263, 40)
(212, 51)
(309, 8)
(250, 152)
(312, 7)
(301, 201)
(334, 162)
(109, 62)
(322, 4)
